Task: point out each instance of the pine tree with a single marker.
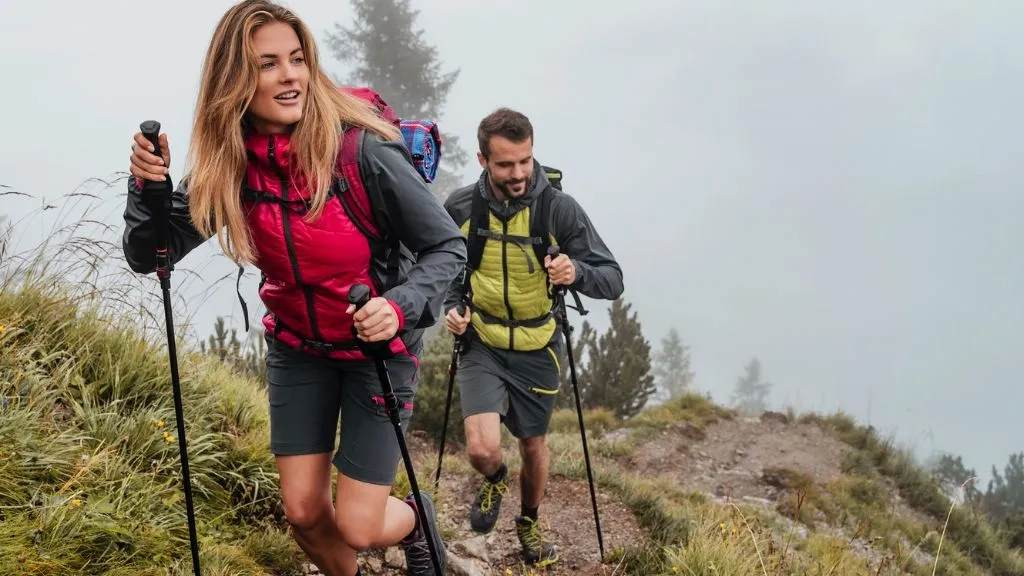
(672, 366)
(390, 56)
(751, 393)
(226, 346)
(1004, 499)
(617, 374)
(950, 473)
(1005, 492)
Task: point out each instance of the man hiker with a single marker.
(509, 369)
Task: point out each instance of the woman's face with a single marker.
(284, 77)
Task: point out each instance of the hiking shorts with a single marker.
(307, 395)
(520, 386)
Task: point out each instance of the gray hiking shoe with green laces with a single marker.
(484, 513)
(537, 550)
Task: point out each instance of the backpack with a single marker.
(540, 231)
(422, 141)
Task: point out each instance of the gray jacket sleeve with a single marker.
(455, 205)
(422, 224)
(139, 239)
(598, 275)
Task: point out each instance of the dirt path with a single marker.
(729, 457)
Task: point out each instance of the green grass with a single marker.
(90, 476)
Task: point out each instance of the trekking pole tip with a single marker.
(359, 295)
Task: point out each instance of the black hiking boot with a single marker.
(537, 550)
(484, 513)
(417, 551)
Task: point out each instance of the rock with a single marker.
(310, 568)
(374, 564)
(475, 547)
(616, 435)
(394, 557)
(764, 502)
(775, 417)
(460, 566)
(691, 431)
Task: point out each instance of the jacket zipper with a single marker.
(289, 244)
(504, 269)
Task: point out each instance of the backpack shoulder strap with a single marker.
(359, 204)
(351, 191)
(479, 225)
(540, 224)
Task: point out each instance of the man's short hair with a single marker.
(503, 122)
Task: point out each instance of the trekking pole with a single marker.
(161, 216)
(359, 295)
(563, 316)
(452, 368)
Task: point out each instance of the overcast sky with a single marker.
(840, 180)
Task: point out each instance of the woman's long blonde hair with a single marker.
(217, 158)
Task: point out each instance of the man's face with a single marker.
(510, 166)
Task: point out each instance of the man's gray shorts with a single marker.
(308, 393)
(520, 386)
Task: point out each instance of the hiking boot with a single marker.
(484, 513)
(537, 550)
(417, 551)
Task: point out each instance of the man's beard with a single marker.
(506, 187)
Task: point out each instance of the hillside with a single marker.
(90, 480)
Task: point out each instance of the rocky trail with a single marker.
(727, 460)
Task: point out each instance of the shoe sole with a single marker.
(487, 530)
(545, 562)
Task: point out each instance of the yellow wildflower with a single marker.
(76, 502)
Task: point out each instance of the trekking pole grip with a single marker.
(151, 130)
(359, 295)
(155, 196)
(554, 251)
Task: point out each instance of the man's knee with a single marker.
(483, 451)
(533, 447)
(483, 439)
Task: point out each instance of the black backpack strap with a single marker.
(540, 227)
(540, 224)
(476, 236)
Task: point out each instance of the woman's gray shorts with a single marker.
(307, 395)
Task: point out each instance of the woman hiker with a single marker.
(264, 163)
